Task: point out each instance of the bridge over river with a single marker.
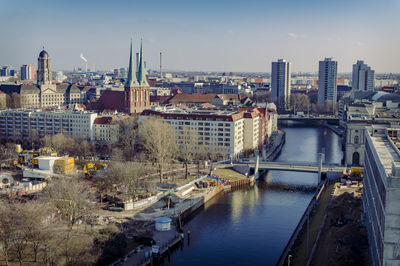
(289, 166)
(308, 118)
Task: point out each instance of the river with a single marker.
(252, 226)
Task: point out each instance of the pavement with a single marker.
(163, 239)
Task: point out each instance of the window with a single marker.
(356, 140)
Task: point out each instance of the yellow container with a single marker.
(18, 148)
(356, 170)
(65, 161)
(35, 161)
(89, 165)
(28, 151)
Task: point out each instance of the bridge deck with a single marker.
(292, 166)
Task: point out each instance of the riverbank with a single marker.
(299, 245)
(274, 147)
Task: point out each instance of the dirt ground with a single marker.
(343, 240)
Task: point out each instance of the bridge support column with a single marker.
(321, 159)
(256, 174)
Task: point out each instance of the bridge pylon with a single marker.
(256, 174)
(321, 159)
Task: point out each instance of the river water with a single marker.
(252, 226)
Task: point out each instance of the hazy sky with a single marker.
(207, 35)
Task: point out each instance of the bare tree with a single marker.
(299, 102)
(125, 176)
(159, 142)
(127, 136)
(7, 221)
(71, 197)
(188, 140)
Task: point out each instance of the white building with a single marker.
(381, 196)
(280, 83)
(251, 131)
(363, 77)
(327, 81)
(106, 129)
(19, 123)
(220, 132)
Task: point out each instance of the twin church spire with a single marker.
(141, 80)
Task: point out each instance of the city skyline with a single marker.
(223, 36)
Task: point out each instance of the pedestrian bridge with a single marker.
(305, 118)
(290, 166)
(285, 166)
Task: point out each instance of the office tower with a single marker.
(327, 81)
(44, 71)
(363, 77)
(7, 71)
(280, 83)
(27, 72)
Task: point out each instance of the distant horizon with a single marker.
(216, 36)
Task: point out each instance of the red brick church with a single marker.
(136, 96)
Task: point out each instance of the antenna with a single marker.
(161, 65)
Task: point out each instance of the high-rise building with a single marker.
(44, 71)
(327, 81)
(7, 71)
(137, 90)
(363, 77)
(280, 83)
(27, 72)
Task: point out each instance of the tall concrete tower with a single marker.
(363, 77)
(44, 71)
(327, 81)
(280, 83)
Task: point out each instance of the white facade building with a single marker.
(220, 132)
(281, 82)
(363, 77)
(327, 81)
(20, 123)
(381, 195)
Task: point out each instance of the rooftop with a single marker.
(387, 152)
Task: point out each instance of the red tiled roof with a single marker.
(105, 120)
(159, 99)
(113, 100)
(192, 98)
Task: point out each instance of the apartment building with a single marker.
(222, 132)
(251, 132)
(106, 129)
(381, 196)
(21, 123)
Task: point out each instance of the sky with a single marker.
(206, 35)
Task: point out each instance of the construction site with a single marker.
(343, 237)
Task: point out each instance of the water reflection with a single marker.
(251, 226)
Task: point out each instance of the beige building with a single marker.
(221, 132)
(251, 130)
(44, 93)
(106, 129)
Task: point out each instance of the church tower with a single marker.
(137, 91)
(44, 71)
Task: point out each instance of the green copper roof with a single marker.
(131, 80)
(142, 71)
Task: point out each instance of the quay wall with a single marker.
(303, 222)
